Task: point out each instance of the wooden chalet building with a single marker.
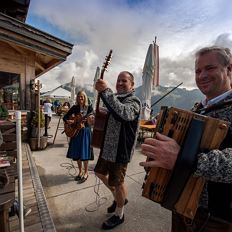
(26, 53)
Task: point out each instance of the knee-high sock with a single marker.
(119, 211)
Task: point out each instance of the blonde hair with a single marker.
(82, 92)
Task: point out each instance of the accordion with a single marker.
(178, 190)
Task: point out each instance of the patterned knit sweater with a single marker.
(122, 126)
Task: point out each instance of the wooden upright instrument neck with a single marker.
(104, 68)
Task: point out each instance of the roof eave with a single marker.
(28, 37)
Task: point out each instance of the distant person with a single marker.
(48, 112)
(119, 142)
(80, 148)
(65, 107)
(56, 104)
(213, 72)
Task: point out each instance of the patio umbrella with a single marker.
(156, 64)
(73, 87)
(149, 79)
(97, 75)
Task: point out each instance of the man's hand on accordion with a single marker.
(161, 151)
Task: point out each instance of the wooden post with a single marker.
(19, 168)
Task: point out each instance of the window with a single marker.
(10, 90)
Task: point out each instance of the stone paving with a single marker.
(82, 207)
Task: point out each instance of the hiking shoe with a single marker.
(112, 208)
(83, 179)
(112, 222)
(77, 178)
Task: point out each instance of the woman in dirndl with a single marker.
(80, 148)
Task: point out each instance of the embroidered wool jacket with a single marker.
(122, 125)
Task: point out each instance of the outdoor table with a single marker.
(146, 126)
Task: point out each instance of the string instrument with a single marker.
(178, 190)
(101, 113)
(73, 129)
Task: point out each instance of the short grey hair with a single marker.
(224, 54)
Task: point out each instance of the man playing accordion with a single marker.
(213, 69)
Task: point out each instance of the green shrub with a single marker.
(34, 121)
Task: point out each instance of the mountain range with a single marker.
(178, 97)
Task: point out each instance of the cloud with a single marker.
(224, 40)
(128, 27)
(173, 72)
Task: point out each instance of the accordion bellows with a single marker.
(178, 124)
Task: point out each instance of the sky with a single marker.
(128, 27)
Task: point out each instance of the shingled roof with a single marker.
(15, 8)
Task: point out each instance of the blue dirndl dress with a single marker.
(80, 144)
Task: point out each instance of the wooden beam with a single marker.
(16, 48)
(49, 66)
(39, 65)
(52, 63)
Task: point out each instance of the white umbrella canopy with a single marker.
(97, 76)
(73, 87)
(58, 92)
(149, 79)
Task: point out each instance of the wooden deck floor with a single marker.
(39, 219)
